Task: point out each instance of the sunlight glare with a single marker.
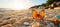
(19, 6)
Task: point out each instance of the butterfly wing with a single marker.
(34, 14)
(41, 14)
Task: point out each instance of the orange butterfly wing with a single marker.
(34, 14)
(41, 14)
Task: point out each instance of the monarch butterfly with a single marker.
(40, 15)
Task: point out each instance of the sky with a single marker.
(20, 4)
